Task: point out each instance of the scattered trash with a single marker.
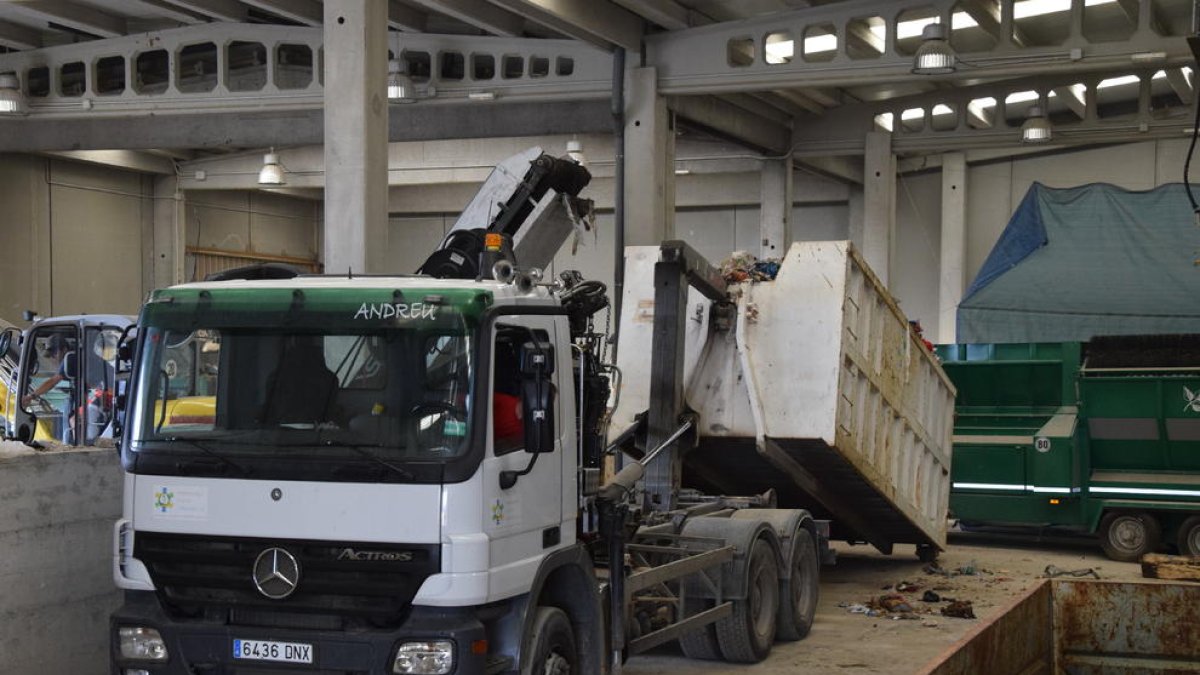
(1052, 572)
(930, 596)
(894, 603)
(970, 569)
(743, 266)
(929, 624)
(934, 568)
(959, 609)
(907, 587)
(859, 609)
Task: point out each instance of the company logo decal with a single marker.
(398, 310)
(1193, 400)
(384, 556)
(164, 500)
(498, 512)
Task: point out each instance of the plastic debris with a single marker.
(959, 609)
(930, 596)
(743, 266)
(893, 603)
(1051, 572)
(859, 609)
(907, 587)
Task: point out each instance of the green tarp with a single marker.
(1093, 260)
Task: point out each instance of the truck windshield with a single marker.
(356, 383)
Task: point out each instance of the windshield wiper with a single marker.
(361, 450)
(210, 452)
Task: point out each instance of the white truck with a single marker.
(404, 474)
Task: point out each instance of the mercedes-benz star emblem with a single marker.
(276, 573)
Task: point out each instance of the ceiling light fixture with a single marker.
(1036, 128)
(272, 172)
(12, 101)
(400, 87)
(934, 56)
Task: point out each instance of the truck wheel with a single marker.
(1189, 536)
(552, 644)
(702, 642)
(746, 635)
(1126, 537)
(798, 595)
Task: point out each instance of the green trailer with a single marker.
(1100, 437)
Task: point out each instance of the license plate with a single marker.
(265, 650)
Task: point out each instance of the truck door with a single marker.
(47, 398)
(524, 520)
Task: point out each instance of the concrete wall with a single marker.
(56, 589)
(251, 222)
(74, 237)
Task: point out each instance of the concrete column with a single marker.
(854, 214)
(167, 254)
(649, 161)
(879, 202)
(356, 141)
(776, 207)
(952, 280)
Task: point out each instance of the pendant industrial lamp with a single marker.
(1036, 128)
(272, 172)
(400, 87)
(934, 56)
(12, 101)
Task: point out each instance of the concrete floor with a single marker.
(842, 642)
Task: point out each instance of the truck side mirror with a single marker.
(29, 315)
(537, 396)
(71, 365)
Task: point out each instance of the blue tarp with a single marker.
(1093, 260)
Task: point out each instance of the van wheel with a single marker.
(552, 644)
(798, 595)
(702, 642)
(1126, 537)
(746, 635)
(1189, 536)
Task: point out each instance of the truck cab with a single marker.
(359, 475)
(61, 379)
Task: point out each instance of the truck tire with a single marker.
(1189, 536)
(798, 595)
(551, 644)
(746, 635)
(1126, 537)
(702, 642)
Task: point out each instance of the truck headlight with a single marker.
(424, 658)
(142, 644)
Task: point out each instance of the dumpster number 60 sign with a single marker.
(1042, 444)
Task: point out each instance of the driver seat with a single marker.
(301, 389)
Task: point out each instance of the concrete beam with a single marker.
(600, 23)
(304, 12)
(1072, 100)
(220, 10)
(1181, 85)
(19, 37)
(800, 101)
(480, 14)
(121, 159)
(952, 273)
(166, 10)
(730, 121)
(260, 129)
(73, 15)
(666, 13)
(405, 18)
(356, 120)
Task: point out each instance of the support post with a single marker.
(879, 202)
(776, 207)
(650, 161)
(167, 252)
(356, 141)
(954, 244)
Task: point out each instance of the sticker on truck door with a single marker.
(1041, 444)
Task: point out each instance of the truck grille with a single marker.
(195, 575)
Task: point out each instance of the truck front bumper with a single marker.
(196, 647)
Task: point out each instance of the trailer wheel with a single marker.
(927, 553)
(552, 644)
(746, 635)
(702, 642)
(1126, 537)
(1189, 536)
(798, 595)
